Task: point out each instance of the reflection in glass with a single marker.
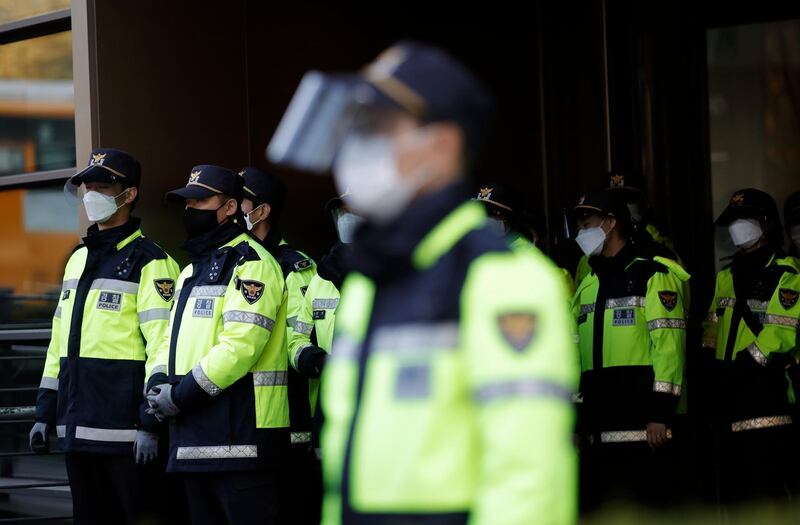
(37, 110)
(754, 113)
(13, 10)
(38, 233)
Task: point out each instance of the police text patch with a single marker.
(165, 288)
(788, 297)
(252, 291)
(413, 382)
(203, 308)
(111, 301)
(65, 295)
(668, 299)
(318, 315)
(624, 317)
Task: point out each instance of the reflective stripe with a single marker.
(238, 316)
(208, 291)
(290, 321)
(205, 383)
(761, 422)
(344, 348)
(271, 378)
(416, 336)
(726, 302)
(217, 452)
(154, 314)
(105, 434)
(324, 304)
(61, 431)
(57, 313)
(587, 309)
(782, 320)
(299, 353)
(757, 305)
(159, 369)
(656, 324)
(303, 328)
(667, 388)
(626, 302)
(712, 318)
(627, 436)
(757, 354)
(300, 437)
(50, 383)
(69, 284)
(115, 285)
(527, 388)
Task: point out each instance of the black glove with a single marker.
(311, 361)
(38, 439)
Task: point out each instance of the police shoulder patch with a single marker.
(252, 291)
(518, 329)
(788, 297)
(305, 264)
(165, 288)
(668, 299)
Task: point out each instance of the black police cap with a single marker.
(630, 185)
(499, 197)
(207, 180)
(430, 85)
(264, 188)
(750, 203)
(791, 209)
(110, 165)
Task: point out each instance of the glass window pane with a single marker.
(13, 10)
(754, 111)
(37, 110)
(39, 231)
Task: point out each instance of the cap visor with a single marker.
(584, 210)
(730, 214)
(189, 192)
(93, 173)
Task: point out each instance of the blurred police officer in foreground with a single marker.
(222, 379)
(112, 314)
(447, 395)
(632, 341)
(748, 334)
(263, 206)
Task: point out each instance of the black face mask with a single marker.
(198, 222)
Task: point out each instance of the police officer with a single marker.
(643, 232)
(313, 336)
(632, 342)
(750, 329)
(263, 205)
(112, 314)
(447, 394)
(223, 382)
(791, 214)
(507, 219)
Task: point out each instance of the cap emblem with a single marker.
(618, 181)
(97, 158)
(195, 176)
(485, 194)
(737, 199)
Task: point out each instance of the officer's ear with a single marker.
(231, 207)
(264, 212)
(130, 195)
(611, 223)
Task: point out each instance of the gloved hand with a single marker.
(312, 361)
(38, 439)
(161, 404)
(145, 448)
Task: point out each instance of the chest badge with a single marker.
(203, 308)
(624, 317)
(110, 301)
(518, 329)
(252, 291)
(165, 288)
(668, 299)
(788, 298)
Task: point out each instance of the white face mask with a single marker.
(745, 233)
(497, 226)
(247, 218)
(366, 172)
(346, 225)
(100, 207)
(591, 240)
(794, 233)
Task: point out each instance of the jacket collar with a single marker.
(203, 246)
(118, 237)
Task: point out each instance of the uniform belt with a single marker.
(761, 422)
(627, 436)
